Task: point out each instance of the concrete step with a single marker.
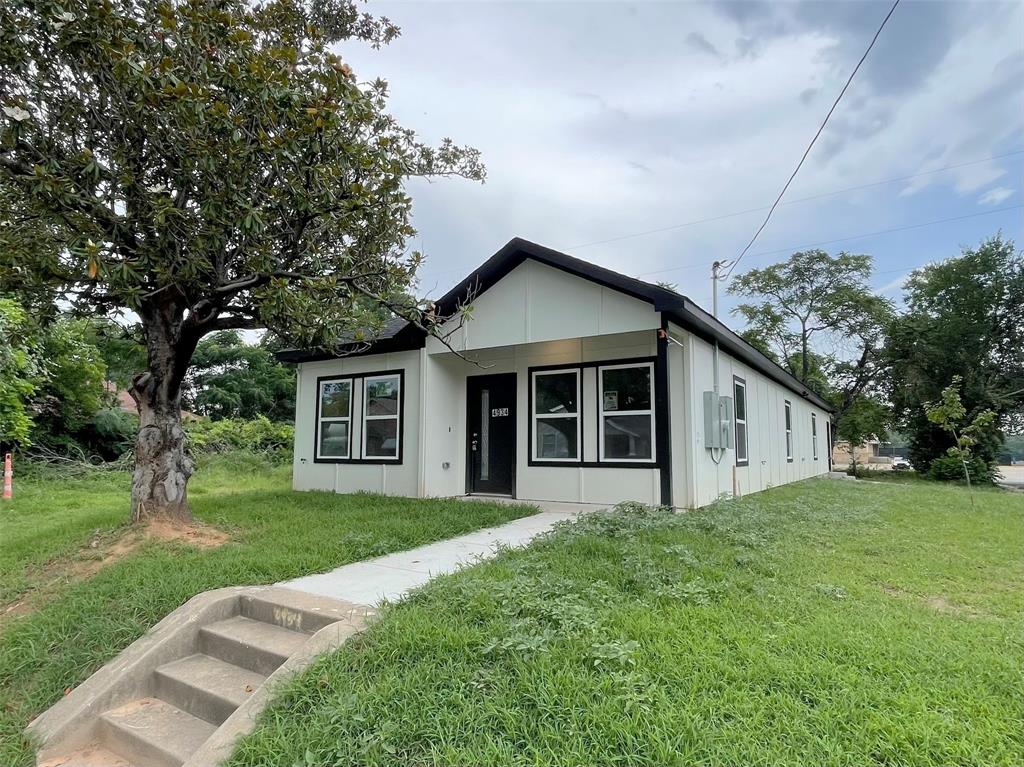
(298, 611)
(257, 646)
(206, 687)
(152, 732)
(91, 755)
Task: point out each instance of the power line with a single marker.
(813, 140)
(845, 239)
(809, 198)
(882, 182)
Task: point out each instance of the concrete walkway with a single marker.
(394, 575)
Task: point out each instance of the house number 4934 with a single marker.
(498, 412)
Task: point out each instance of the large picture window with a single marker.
(334, 419)
(556, 415)
(789, 431)
(739, 388)
(627, 412)
(382, 398)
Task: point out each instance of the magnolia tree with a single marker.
(205, 166)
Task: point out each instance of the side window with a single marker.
(627, 412)
(556, 415)
(334, 419)
(381, 415)
(789, 431)
(739, 388)
(814, 435)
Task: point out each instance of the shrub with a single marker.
(259, 435)
(949, 468)
(111, 433)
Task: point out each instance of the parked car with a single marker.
(900, 464)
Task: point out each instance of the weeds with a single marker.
(754, 631)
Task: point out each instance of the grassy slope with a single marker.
(820, 623)
(277, 534)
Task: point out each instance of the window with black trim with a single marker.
(334, 419)
(556, 415)
(814, 435)
(626, 429)
(382, 397)
(739, 389)
(739, 420)
(789, 431)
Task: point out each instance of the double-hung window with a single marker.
(382, 400)
(626, 426)
(556, 415)
(789, 431)
(334, 419)
(814, 435)
(739, 388)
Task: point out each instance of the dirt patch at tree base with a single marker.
(103, 549)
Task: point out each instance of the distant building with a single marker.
(123, 400)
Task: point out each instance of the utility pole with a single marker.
(716, 277)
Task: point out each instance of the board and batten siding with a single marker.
(536, 302)
(696, 479)
(445, 421)
(389, 478)
(542, 316)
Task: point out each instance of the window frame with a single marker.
(397, 417)
(740, 383)
(602, 414)
(320, 420)
(788, 424)
(814, 435)
(356, 452)
(578, 415)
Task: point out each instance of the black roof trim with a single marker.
(396, 336)
(518, 250)
(675, 306)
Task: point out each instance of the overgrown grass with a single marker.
(276, 534)
(825, 623)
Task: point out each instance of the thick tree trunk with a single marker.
(162, 463)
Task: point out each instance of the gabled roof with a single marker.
(401, 335)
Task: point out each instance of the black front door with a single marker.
(491, 403)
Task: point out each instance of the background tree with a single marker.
(208, 167)
(949, 414)
(965, 316)
(814, 300)
(232, 379)
(19, 374)
(72, 373)
(866, 418)
(123, 349)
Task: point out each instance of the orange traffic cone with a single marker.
(8, 477)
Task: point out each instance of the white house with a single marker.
(580, 385)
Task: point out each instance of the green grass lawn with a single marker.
(823, 623)
(73, 627)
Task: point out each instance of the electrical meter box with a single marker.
(718, 432)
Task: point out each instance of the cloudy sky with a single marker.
(598, 121)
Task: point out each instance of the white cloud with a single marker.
(995, 196)
(566, 100)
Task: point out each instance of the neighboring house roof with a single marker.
(124, 401)
(401, 335)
